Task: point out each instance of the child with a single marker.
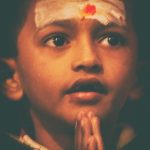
(74, 65)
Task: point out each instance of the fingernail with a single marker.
(90, 114)
(80, 115)
(95, 120)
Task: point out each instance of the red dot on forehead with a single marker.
(90, 9)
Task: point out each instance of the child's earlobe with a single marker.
(13, 88)
(136, 93)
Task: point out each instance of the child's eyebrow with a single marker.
(115, 25)
(72, 23)
(65, 23)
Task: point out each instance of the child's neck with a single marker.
(54, 142)
(54, 135)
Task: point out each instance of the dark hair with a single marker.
(12, 16)
(138, 114)
(140, 17)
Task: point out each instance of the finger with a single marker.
(97, 133)
(90, 115)
(78, 132)
(92, 143)
(86, 130)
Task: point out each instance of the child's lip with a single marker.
(86, 86)
(86, 91)
(91, 98)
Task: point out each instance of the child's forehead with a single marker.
(58, 1)
(51, 10)
(62, 3)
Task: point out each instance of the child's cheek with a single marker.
(119, 69)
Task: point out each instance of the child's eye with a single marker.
(112, 40)
(56, 40)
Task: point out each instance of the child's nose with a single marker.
(87, 59)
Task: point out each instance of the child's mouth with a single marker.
(86, 91)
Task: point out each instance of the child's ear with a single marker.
(13, 88)
(136, 92)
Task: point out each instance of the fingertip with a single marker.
(95, 120)
(80, 115)
(84, 121)
(90, 114)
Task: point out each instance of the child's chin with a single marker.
(71, 116)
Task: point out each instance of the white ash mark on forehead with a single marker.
(47, 11)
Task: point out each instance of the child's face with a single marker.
(81, 61)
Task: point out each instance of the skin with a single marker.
(88, 135)
(42, 64)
